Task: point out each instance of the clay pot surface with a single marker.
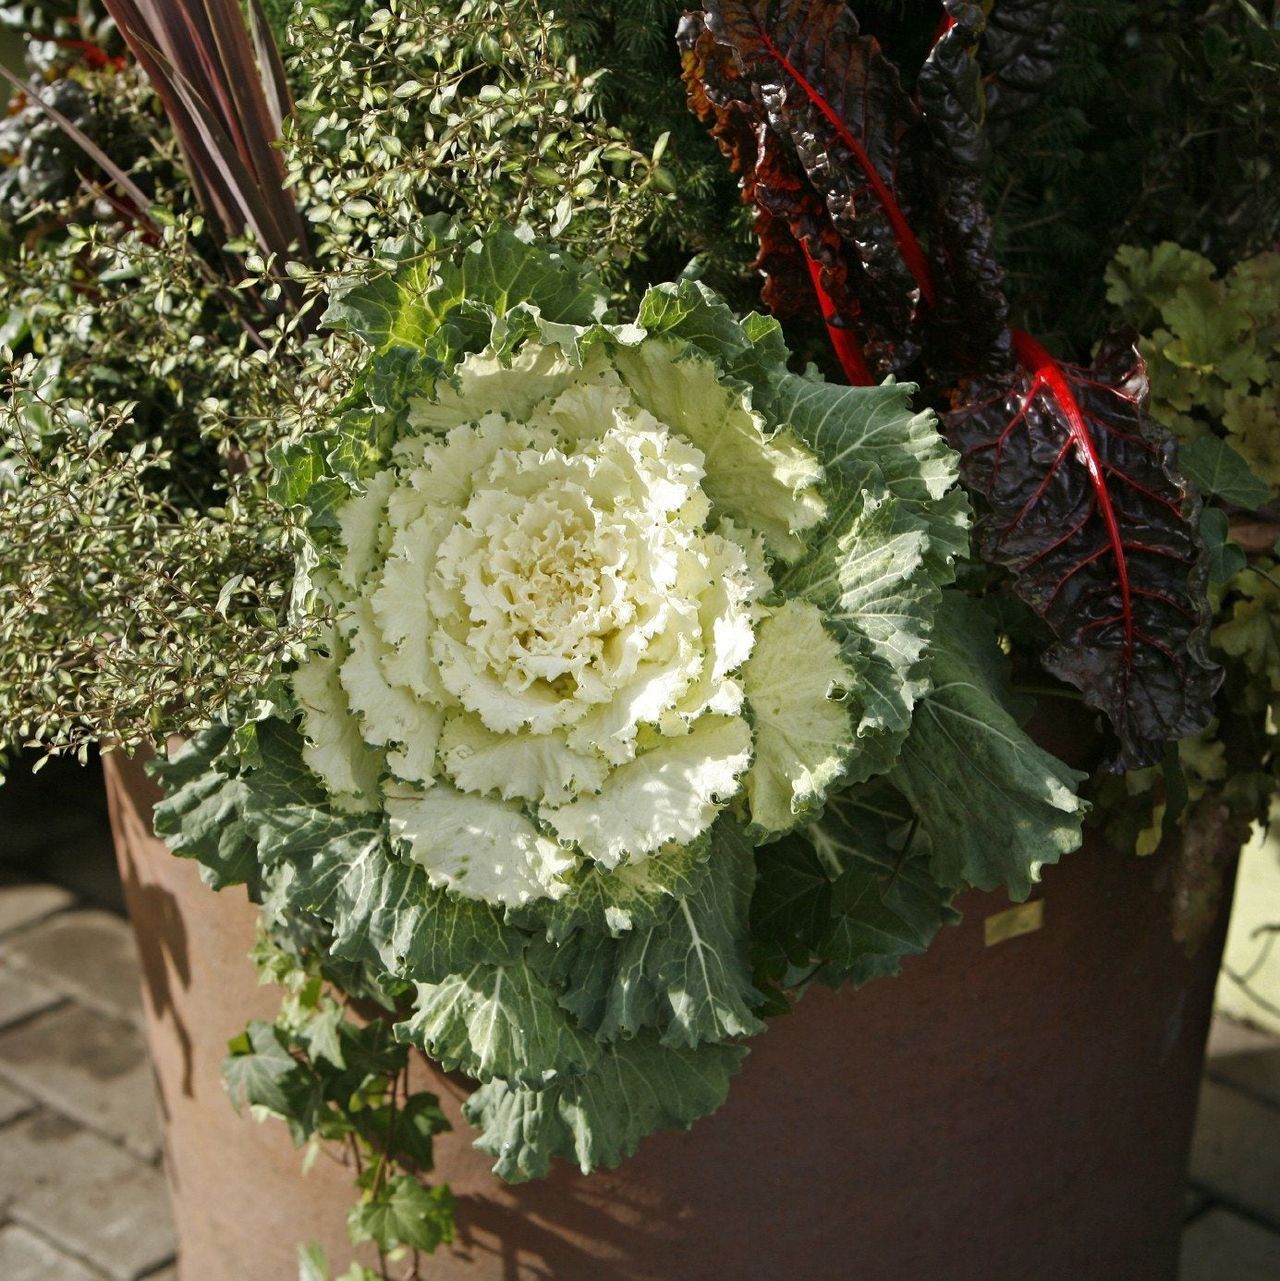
(1019, 1111)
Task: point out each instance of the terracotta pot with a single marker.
(1008, 1111)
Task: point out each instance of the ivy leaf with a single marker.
(995, 806)
(1217, 469)
(598, 1118)
(406, 1133)
(320, 1033)
(1226, 560)
(313, 1265)
(403, 1212)
(260, 1071)
(497, 1021)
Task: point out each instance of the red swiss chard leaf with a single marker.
(869, 211)
(891, 226)
(1085, 508)
(967, 336)
(802, 257)
(1019, 57)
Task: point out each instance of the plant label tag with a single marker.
(1026, 918)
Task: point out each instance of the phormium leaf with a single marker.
(1086, 509)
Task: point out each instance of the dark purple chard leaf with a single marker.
(887, 211)
(1019, 55)
(802, 256)
(968, 335)
(835, 101)
(1085, 507)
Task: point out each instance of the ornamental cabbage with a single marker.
(564, 628)
(553, 626)
(623, 716)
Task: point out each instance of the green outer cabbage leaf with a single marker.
(598, 1118)
(996, 807)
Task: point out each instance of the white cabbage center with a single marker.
(542, 622)
(571, 579)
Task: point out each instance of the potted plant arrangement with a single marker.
(721, 791)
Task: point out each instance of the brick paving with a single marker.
(82, 1195)
(81, 1190)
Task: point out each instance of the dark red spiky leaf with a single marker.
(897, 225)
(224, 101)
(1085, 507)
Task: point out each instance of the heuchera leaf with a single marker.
(1100, 533)
(1219, 470)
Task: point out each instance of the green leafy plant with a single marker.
(150, 322)
(1212, 347)
(535, 791)
(474, 110)
(868, 208)
(338, 1081)
(491, 589)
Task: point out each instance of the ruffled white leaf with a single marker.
(670, 793)
(401, 612)
(795, 683)
(347, 765)
(766, 482)
(727, 615)
(365, 530)
(439, 474)
(477, 846)
(390, 715)
(534, 767)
